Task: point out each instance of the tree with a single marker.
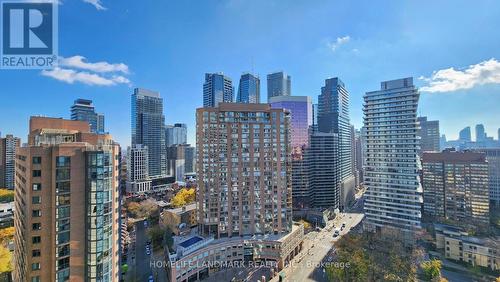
(306, 224)
(6, 195)
(373, 257)
(168, 240)
(156, 233)
(183, 197)
(5, 260)
(431, 269)
(6, 235)
(142, 209)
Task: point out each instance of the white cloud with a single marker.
(447, 80)
(80, 62)
(77, 69)
(338, 42)
(96, 3)
(71, 76)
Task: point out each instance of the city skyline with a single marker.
(350, 50)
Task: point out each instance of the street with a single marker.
(318, 247)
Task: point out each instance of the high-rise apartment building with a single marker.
(249, 89)
(244, 171)
(300, 108)
(138, 180)
(358, 147)
(67, 204)
(278, 84)
(176, 134)
(217, 88)
(394, 194)
(480, 133)
(493, 159)
(465, 135)
(148, 129)
(456, 187)
(84, 110)
(429, 135)
(8, 147)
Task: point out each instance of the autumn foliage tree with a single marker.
(373, 258)
(431, 269)
(6, 195)
(6, 235)
(183, 197)
(142, 209)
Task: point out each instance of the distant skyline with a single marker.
(168, 46)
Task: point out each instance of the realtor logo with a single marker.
(29, 35)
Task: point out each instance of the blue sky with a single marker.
(168, 46)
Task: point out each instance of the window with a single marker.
(37, 186)
(36, 213)
(63, 212)
(63, 161)
(62, 187)
(62, 174)
(37, 160)
(63, 225)
(63, 200)
(35, 279)
(37, 226)
(36, 200)
(36, 253)
(35, 266)
(36, 239)
(37, 173)
(63, 251)
(63, 263)
(63, 238)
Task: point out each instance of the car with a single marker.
(148, 252)
(336, 233)
(150, 279)
(145, 223)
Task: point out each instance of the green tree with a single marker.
(155, 233)
(431, 269)
(168, 239)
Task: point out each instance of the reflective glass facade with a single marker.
(249, 89)
(148, 128)
(99, 216)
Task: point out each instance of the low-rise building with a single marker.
(457, 245)
(7, 214)
(179, 218)
(197, 257)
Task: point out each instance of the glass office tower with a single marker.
(217, 88)
(249, 89)
(278, 84)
